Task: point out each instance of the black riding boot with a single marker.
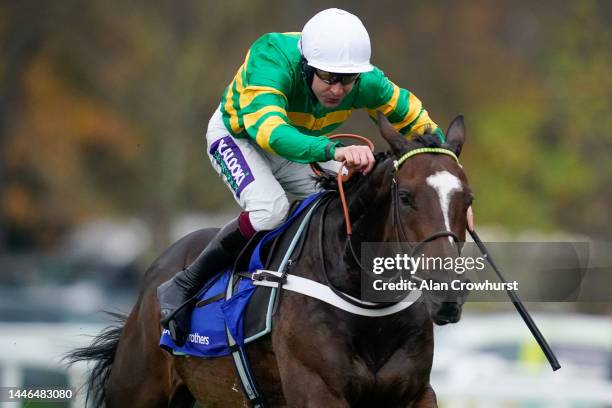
(177, 296)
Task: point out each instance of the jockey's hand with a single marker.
(357, 157)
(470, 218)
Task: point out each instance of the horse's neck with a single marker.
(343, 263)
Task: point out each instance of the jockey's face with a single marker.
(328, 95)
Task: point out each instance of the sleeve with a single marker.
(263, 103)
(403, 109)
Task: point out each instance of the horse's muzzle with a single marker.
(446, 312)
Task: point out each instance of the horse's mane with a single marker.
(327, 180)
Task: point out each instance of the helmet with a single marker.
(335, 40)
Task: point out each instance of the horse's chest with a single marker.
(397, 363)
(370, 363)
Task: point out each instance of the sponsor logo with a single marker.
(198, 339)
(232, 163)
(195, 338)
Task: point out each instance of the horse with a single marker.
(316, 355)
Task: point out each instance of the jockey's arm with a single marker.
(403, 109)
(266, 122)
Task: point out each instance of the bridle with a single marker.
(398, 226)
(400, 233)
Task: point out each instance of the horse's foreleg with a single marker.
(427, 400)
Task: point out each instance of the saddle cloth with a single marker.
(231, 303)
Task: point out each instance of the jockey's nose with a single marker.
(337, 89)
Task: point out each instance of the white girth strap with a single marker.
(319, 291)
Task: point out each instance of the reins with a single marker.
(341, 177)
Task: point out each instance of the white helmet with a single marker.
(336, 41)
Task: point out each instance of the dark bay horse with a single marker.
(316, 355)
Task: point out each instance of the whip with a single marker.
(533, 328)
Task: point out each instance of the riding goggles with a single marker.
(331, 78)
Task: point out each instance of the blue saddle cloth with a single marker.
(210, 323)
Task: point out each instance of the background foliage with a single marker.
(103, 104)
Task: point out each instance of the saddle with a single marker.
(231, 310)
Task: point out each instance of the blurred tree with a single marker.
(577, 77)
(104, 104)
(53, 132)
(19, 43)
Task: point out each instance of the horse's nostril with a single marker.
(448, 306)
(450, 309)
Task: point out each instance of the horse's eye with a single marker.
(407, 198)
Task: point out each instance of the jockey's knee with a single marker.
(271, 216)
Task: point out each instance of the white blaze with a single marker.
(445, 184)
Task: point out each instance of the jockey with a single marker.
(291, 90)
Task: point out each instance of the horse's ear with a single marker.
(455, 136)
(392, 136)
